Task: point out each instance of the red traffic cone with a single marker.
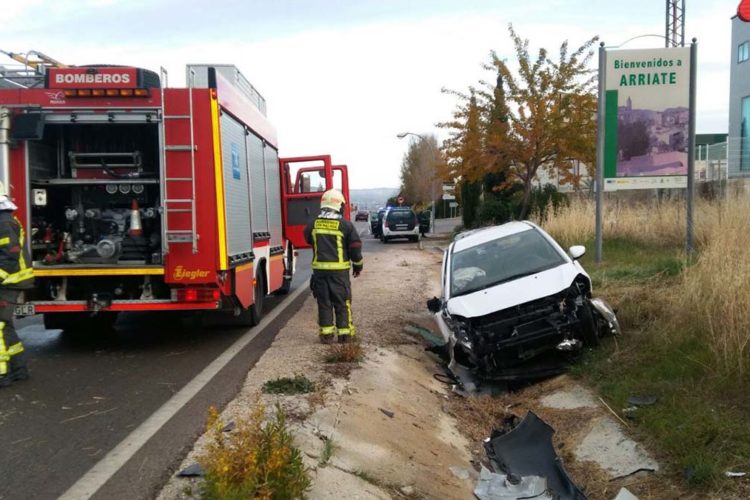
(136, 229)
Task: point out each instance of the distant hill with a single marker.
(371, 199)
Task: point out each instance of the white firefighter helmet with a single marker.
(332, 199)
(5, 203)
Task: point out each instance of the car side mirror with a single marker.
(434, 305)
(577, 251)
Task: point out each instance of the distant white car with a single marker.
(511, 294)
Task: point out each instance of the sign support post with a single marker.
(691, 150)
(600, 119)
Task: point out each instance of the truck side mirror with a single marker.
(434, 304)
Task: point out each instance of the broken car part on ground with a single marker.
(510, 295)
(523, 452)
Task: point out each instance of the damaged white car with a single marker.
(511, 297)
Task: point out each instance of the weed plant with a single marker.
(257, 460)
(345, 353)
(299, 384)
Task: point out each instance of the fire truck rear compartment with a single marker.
(95, 200)
(95, 195)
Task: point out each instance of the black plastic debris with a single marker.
(387, 413)
(229, 427)
(521, 449)
(194, 470)
(642, 400)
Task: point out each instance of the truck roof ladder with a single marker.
(172, 159)
(30, 72)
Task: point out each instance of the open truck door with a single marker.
(304, 180)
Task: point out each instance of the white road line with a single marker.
(108, 466)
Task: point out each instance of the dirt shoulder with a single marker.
(377, 429)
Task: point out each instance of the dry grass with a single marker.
(687, 332)
(661, 224)
(345, 353)
(714, 298)
(711, 299)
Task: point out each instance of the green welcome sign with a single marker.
(647, 114)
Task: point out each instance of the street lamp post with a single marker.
(433, 153)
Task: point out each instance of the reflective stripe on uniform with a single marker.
(24, 273)
(5, 241)
(327, 227)
(327, 330)
(344, 331)
(351, 329)
(15, 349)
(330, 266)
(18, 277)
(359, 262)
(4, 356)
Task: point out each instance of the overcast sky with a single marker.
(345, 76)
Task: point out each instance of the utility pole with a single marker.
(675, 24)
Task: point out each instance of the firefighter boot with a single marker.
(326, 339)
(18, 369)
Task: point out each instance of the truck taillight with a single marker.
(107, 93)
(193, 294)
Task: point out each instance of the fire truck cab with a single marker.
(137, 196)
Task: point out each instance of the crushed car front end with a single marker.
(497, 343)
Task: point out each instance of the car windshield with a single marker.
(501, 260)
(400, 216)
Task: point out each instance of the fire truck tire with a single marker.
(80, 323)
(256, 310)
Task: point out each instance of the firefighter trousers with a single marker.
(333, 291)
(12, 357)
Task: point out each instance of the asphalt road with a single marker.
(87, 395)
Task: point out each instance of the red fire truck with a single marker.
(141, 197)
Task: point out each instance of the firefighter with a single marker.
(336, 249)
(15, 275)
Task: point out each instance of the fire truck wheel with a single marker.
(78, 324)
(256, 310)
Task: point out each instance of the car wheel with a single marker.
(587, 325)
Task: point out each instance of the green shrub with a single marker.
(257, 460)
(286, 385)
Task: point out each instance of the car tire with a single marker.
(588, 327)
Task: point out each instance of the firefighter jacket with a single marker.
(15, 262)
(336, 244)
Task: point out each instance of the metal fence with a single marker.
(738, 157)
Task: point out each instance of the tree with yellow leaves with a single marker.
(542, 115)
